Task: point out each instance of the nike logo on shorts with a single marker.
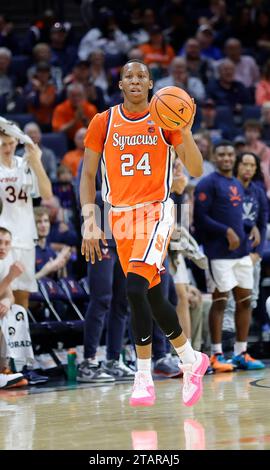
(170, 334)
(145, 339)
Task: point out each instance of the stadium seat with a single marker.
(20, 119)
(57, 142)
(18, 68)
(225, 115)
(251, 112)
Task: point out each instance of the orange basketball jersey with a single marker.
(136, 158)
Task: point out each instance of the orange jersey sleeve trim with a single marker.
(96, 132)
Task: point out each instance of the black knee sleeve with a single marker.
(141, 314)
(164, 313)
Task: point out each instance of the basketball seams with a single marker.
(175, 96)
(163, 117)
(155, 102)
(165, 104)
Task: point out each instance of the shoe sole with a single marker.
(203, 368)
(15, 383)
(140, 402)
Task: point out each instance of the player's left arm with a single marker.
(33, 156)
(188, 151)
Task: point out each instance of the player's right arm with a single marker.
(91, 232)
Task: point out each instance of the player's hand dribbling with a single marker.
(90, 243)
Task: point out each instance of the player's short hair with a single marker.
(223, 143)
(5, 230)
(40, 211)
(136, 61)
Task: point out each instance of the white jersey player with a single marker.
(21, 179)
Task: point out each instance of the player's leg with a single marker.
(142, 325)
(26, 283)
(223, 280)
(100, 278)
(242, 295)
(193, 363)
(116, 325)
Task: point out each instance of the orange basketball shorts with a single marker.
(142, 236)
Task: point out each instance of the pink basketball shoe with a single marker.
(192, 377)
(143, 393)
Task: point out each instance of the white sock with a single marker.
(239, 347)
(216, 348)
(144, 365)
(186, 353)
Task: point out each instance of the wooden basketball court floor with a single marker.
(234, 413)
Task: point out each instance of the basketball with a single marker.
(171, 108)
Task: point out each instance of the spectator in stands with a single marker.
(22, 179)
(216, 128)
(254, 144)
(263, 86)
(10, 314)
(246, 69)
(197, 65)
(48, 157)
(94, 95)
(255, 216)
(80, 73)
(62, 232)
(218, 219)
(106, 36)
(141, 30)
(226, 91)
(48, 262)
(205, 36)
(261, 35)
(7, 82)
(177, 31)
(265, 122)
(99, 75)
(239, 143)
(41, 95)
(63, 54)
(73, 157)
(64, 174)
(205, 145)
(8, 38)
(42, 53)
(156, 53)
(180, 77)
(243, 26)
(73, 113)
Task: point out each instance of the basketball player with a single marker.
(137, 177)
(21, 180)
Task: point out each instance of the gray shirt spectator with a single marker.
(6, 82)
(48, 157)
(246, 69)
(179, 76)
